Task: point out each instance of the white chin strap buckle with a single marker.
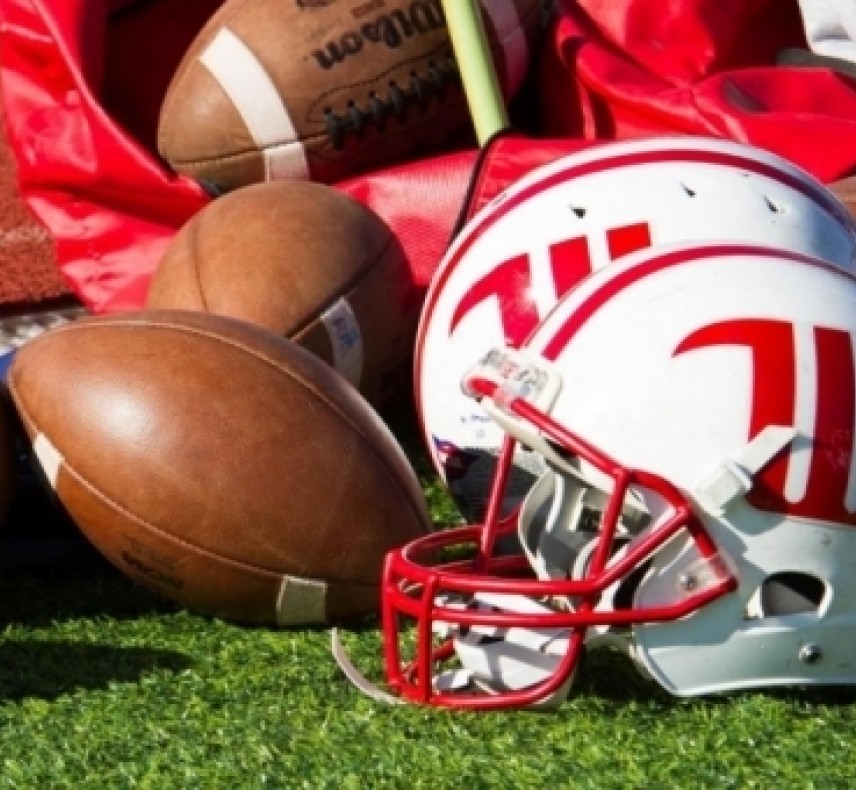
(733, 477)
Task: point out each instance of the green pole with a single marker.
(478, 74)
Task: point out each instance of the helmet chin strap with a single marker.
(357, 678)
(492, 659)
(733, 477)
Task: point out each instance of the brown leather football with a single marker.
(308, 262)
(321, 90)
(218, 463)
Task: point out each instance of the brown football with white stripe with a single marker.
(321, 90)
(218, 463)
(308, 262)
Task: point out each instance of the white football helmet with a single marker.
(694, 407)
(547, 232)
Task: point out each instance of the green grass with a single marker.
(103, 685)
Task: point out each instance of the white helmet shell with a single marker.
(684, 363)
(695, 406)
(546, 233)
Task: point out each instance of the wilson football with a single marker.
(308, 262)
(218, 464)
(274, 89)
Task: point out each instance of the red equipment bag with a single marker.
(630, 68)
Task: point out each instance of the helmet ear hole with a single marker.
(787, 593)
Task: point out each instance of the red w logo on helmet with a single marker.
(802, 376)
(510, 282)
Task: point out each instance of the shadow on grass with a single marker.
(36, 600)
(50, 572)
(612, 676)
(49, 669)
(81, 588)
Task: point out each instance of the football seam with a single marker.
(368, 442)
(437, 78)
(245, 153)
(308, 140)
(169, 536)
(348, 288)
(342, 118)
(196, 254)
(338, 123)
(343, 292)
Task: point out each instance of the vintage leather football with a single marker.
(218, 463)
(274, 89)
(308, 262)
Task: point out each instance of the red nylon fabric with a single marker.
(110, 206)
(616, 69)
(81, 82)
(420, 201)
(82, 124)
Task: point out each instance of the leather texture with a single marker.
(364, 85)
(280, 255)
(210, 460)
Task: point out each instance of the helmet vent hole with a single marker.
(774, 207)
(579, 211)
(690, 192)
(786, 593)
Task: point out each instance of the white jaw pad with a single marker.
(520, 657)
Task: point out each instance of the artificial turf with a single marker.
(103, 685)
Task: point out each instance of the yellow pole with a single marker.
(478, 73)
